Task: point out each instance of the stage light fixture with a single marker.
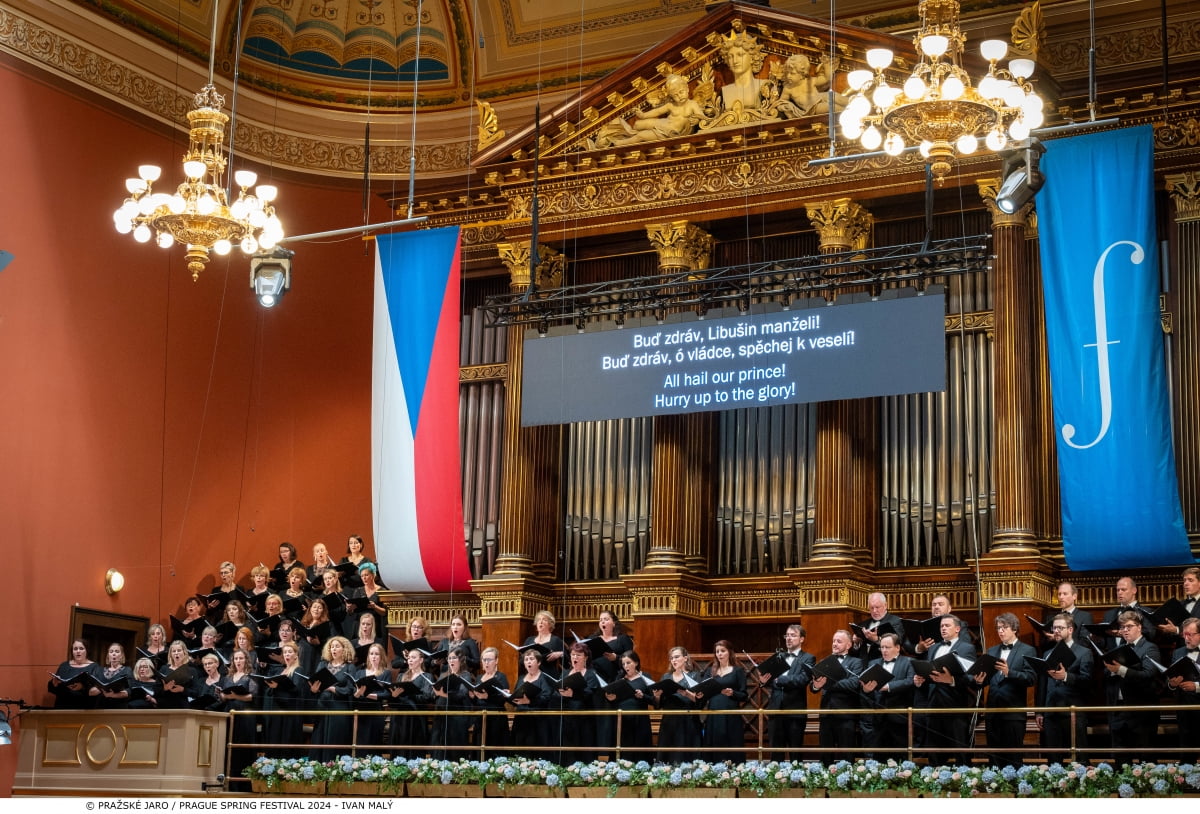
(1021, 177)
(271, 275)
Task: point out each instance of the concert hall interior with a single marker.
(157, 420)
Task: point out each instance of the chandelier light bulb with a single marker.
(142, 233)
(915, 87)
(859, 106)
(966, 144)
(128, 210)
(879, 58)
(123, 225)
(893, 145)
(934, 45)
(266, 192)
(1021, 68)
(993, 50)
(1033, 118)
(176, 204)
(249, 244)
(145, 206)
(267, 240)
(1014, 96)
(884, 95)
(1018, 130)
(851, 128)
(257, 218)
(206, 204)
(925, 148)
(859, 79)
(135, 186)
(988, 87)
(238, 210)
(872, 138)
(222, 247)
(952, 88)
(149, 173)
(245, 178)
(1032, 103)
(165, 240)
(995, 140)
(194, 169)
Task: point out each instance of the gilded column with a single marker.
(528, 522)
(847, 493)
(1014, 363)
(1182, 321)
(682, 501)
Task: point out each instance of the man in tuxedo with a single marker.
(889, 732)
(1067, 596)
(1126, 601)
(1169, 633)
(1188, 692)
(951, 731)
(939, 607)
(877, 608)
(786, 732)
(1008, 687)
(839, 732)
(1065, 686)
(1131, 686)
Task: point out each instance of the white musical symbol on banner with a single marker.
(1101, 344)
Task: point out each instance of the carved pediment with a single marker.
(739, 66)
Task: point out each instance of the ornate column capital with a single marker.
(988, 188)
(841, 224)
(1184, 188)
(515, 257)
(681, 245)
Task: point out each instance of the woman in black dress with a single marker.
(452, 694)
(725, 731)
(366, 598)
(356, 557)
(608, 668)
(71, 692)
(156, 645)
(370, 697)
(238, 692)
(458, 636)
(114, 669)
(181, 679)
(531, 734)
(145, 687)
(680, 730)
(544, 635)
(284, 691)
(412, 692)
(334, 731)
(495, 727)
(635, 729)
(577, 695)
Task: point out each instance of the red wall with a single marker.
(149, 423)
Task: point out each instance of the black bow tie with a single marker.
(1194, 649)
(893, 661)
(1005, 648)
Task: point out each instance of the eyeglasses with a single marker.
(1130, 625)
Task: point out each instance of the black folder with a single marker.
(950, 661)
(877, 673)
(1123, 654)
(830, 668)
(1170, 612)
(1182, 667)
(775, 666)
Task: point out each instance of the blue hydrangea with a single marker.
(509, 772)
(307, 772)
(586, 773)
(945, 776)
(1024, 771)
(447, 777)
(798, 775)
(888, 773)
(676, 777)
(551, 779)
(1104, 767)
(1056, 770)
(623, 776)
(843, 780)
(368, 775)
(1080, 771)
(872, 765)
(1125, 790)
(642, 766)
(1024, 789)
(1193, 780)
(1008, 773)
(1160, 786)
(988, 776)
(908, 766)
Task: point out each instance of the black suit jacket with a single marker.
(1149, 630)
(900, 689)
(1137, 687)
(1073, 691)
(844, 693)
(957, 694)
(1182, 697)
(787, 690)
(1012, 690)
(870, 650)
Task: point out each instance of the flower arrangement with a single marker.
(761, 778)
(276, 771)
(613, 774)
(519, 771)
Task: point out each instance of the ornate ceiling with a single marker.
(315, 73)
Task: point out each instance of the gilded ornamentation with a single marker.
(674, 115)
(483, 373)
(1184, 189)
(1029, 30)
(973, 322)
(516, 257)
(1125, 47)
(841, 224)
(489, 125)
(1173, 135)
(681, 246)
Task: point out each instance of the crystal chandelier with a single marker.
(198, 214)
(937, 108)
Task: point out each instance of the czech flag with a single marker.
(415, 471)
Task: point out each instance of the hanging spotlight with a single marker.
(271, 275)
(1020, 178)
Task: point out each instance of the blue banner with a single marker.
(1120, 497)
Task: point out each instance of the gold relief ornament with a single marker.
(675, 115)
(489, 125)
(803, 91)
